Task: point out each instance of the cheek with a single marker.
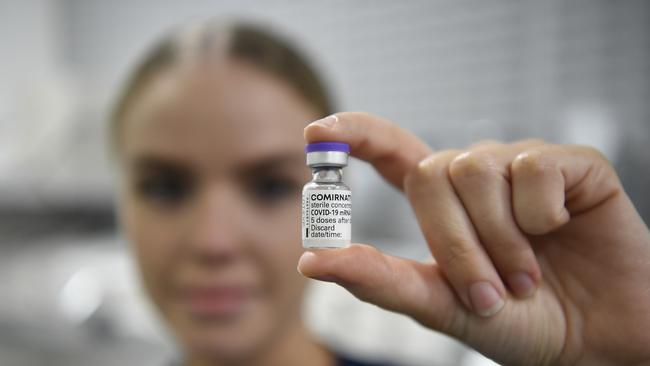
(151, 237)
(279, 232)
(279, 246)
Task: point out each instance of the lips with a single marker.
(217, 301)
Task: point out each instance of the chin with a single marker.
(227, 339)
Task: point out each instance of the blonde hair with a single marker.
(238, 41)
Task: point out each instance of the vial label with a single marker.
(326, 218)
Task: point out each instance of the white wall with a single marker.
(452, 71)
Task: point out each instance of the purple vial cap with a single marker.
(327, 146)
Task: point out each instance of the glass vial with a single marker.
(326, 200)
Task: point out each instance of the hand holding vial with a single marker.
(540, 258)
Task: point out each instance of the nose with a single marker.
(215, 226)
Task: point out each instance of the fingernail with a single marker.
(522, 284)
(326, 122)
(485, 299)
(306, 257)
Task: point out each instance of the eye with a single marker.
(268, 190)
(165, 189)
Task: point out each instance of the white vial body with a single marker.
(326, 215)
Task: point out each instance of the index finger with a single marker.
(392, 150)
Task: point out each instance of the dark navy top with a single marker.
(346, 361)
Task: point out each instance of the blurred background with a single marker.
(454, 72)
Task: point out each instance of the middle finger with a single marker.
(480, 177)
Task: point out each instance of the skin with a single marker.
(212, 166)
(547, 227)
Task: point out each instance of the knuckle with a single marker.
(510, 254)
(487, 143)
(530, 142)
(505, 253)
(431, 168)
(594, 154)
(459, 253)
(471, 164)
(530, 162)
(601, 163)
(499, 241)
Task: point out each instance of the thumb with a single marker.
(413, 288)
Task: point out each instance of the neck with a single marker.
(293, 348)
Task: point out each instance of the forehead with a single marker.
(217, 115)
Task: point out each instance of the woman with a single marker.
(540, 256)
(209, 136)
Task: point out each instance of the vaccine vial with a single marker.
(326, 200)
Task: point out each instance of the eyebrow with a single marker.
(254, 166)
(156, 163)
(270, 163)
